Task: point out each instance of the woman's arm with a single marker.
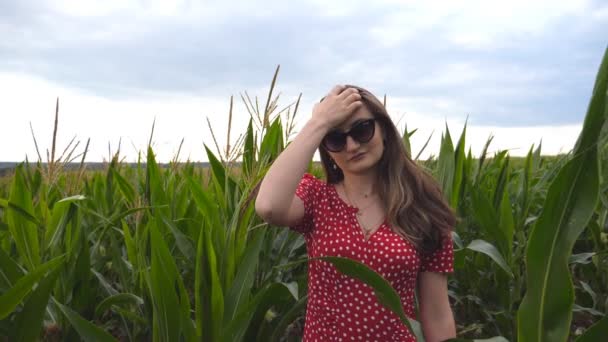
(276, 202)
(436, 315)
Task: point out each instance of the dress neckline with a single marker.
(355, 210)
(342, 201)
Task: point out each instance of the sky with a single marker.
(521, 71)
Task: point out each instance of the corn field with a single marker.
(177, 253)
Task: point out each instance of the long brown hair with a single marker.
(416, 208)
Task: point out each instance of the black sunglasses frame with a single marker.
(344, 135)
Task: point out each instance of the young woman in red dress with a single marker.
(377, 207)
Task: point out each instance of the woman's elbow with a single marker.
(263, 208)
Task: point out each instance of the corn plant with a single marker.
(177, 253)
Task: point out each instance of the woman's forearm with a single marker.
(439, 328)
(279, 185)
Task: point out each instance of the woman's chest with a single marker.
(384, 251)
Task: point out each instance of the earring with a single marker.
(333, 163)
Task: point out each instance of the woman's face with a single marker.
(356, 157)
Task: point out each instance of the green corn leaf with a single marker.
(30, 320)
(243, 221)
(502, 181)
(202, 308)
(132, 316)
(272, 142)
(80, 257)
(482, 158)
(581, 258)
(181, 240)
(383, 290)
(245, 326)
(446, 165)
(273, 295)
(155, 193)
(13, 297)
(239, 292)
(109, 185)
(596, 332)
(487, 217)
(406, 141)
(24, 213)
(217, 169)
(458, 244)
(162, 286)
(524, 190)
(72, 199)
(210, 209)
(87, 330)
(507, 225)
(424, 146)
(488, 249)
(130, 245)
(207, 205)
(213, 283)
(24, 232)
(62, 214)
(124, 186)
(288, 318)
(105, 284)
(9, 271)
(249, 150)
(459, 162)
(117, 299)
(115, 219)
(209, 298)
(546, 310)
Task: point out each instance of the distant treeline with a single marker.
(7, 167)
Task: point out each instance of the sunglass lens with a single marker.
(364, 131)
(335, 141)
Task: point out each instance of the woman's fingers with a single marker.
(353, 97)
(338, 105)
(353, 106)
(336, 90)
(346, 93)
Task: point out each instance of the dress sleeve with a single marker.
(307, 191)
(440, 261)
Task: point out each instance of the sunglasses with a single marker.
(362, 132)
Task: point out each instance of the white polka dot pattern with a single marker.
(341, 308)
(307, 189)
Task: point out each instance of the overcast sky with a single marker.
(520, 70)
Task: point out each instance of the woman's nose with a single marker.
(351, 144)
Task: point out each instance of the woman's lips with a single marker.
(357, 156)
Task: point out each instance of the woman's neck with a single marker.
(361, 185)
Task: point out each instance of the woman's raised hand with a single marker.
(337, 106)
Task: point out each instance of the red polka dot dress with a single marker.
(341, 308)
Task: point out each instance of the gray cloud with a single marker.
(519, 79)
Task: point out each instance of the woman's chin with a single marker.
(360, 167)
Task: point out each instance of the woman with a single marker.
(378, 207)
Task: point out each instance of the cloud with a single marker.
(128, 122)
(517, 64)
(108, 121)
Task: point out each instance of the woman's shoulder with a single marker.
(314, 180)
(316, 186)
